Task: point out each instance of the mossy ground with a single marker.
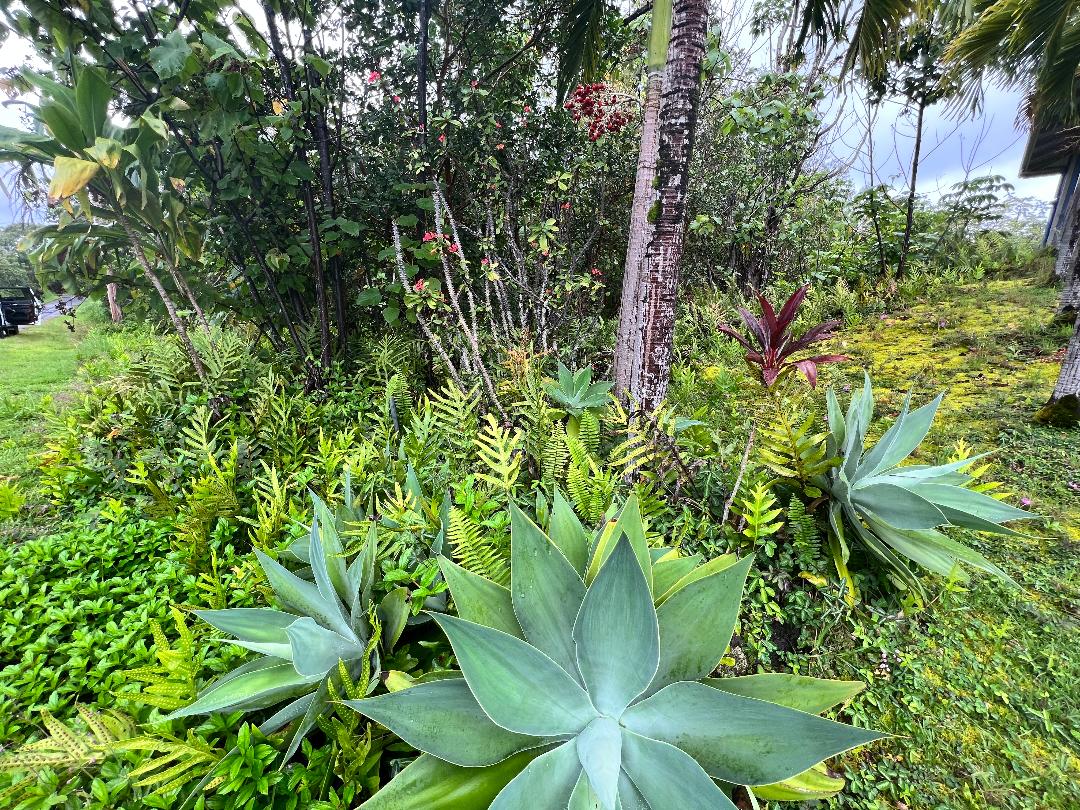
(981, 688)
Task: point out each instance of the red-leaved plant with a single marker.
(770, 343)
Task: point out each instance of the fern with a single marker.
(71, 747)
(170, 684)
(759, 510)
(498, 452)
(474, 551)
(456, 414)
(554, 457)
(792, 452)
(802, 526)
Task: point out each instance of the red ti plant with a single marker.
(770, 343)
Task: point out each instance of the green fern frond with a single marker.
(173, 762)
(498, 454)
(171, 683)
(791, 452)
(68, 747)
(474, 551)
(759, 510)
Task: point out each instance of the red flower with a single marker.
(397, 99)
(453, 247)
(430, 235)
(474, 84)
(498, 125)
(596, 271)
(442, 138)
(373, 77)
(500, 146)
(419, 286)
(527, 108)
(565, 205)
(485, 261)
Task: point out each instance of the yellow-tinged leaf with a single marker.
(70, 176)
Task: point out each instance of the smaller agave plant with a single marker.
(576, 393)
(770, 344)
(585, 684)
(327, 626)
(895, 511)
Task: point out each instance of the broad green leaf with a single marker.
(617, 636)
(317, 650)
(70, 176)
(898, 507)
(444, 719)
(92, 96)
(518, 686)
(217, 46)
(599, 748)
(393, 613)
(546, 590)
(64, 125)
(170, 57)
(808, 785)
(960, 502)
(629, 796)
(668, 777)
(333, 551)
(251, 624)
(264, 686)
(737, 739)
(546, 783)
(301, 596)
(568, 534)
(800, 692)
(479, 600)
(583, 797)
(696, 625)
(913, 430)
(429, 783)
(321, 562)
(106, 151)
(669, 571)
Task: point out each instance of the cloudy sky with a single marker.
(991, 143)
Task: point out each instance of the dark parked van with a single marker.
(18, 307)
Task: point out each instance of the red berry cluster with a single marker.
(599, 107)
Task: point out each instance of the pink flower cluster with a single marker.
(592, 103)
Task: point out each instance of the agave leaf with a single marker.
(251, 624)
(317, 704)
(628, 522)
(429, 783)
(568, 534)
(960, 501)
(629, 796)
(284, 716)
(898, 507)
(737, 739)
(444, 718)
(599, 748)
(480, 600)
(814, 783)
(546, 591)
(799, 692)
(713, 566)
(301, 596)
(325, 524)
(584, 797)
(872, 461)
(321, 565)
(317, 650)
(668, 777)
(263, 686)
(910, 435)
(617, 623)
(518, 686)
(895, 566)
(547, 782)
(667, 572)
(696, 625)
(837, 426)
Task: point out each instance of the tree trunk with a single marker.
(422, 70)
(652, 340)
(1063, 409)
(909, 222)
(170, 305)
(115, 312)
(641, 229)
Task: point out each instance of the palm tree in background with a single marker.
(1034, 45)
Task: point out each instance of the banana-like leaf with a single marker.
(70, 176)
(445, 712)
(617, 623)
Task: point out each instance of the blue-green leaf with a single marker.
(301, 596)
(443, 718)
(251, 624)
(599, 748)
(568, 534)
(518, 686)
(264, 686)
(898, 507)
(317, 650)
(480, 600)
(547, 782)
(617, 635)
(668, 777)
(800, 692)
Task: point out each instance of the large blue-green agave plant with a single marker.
(895, 510)
(585, 684)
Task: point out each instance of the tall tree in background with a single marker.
(641, 229)
(649, 349)
(1033, 45)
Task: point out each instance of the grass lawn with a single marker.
(35, 364)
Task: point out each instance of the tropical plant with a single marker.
(326, 628)
(771, 344)
(585, 684)
(895, 511)
(575, 392)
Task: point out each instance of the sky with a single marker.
(990, 143)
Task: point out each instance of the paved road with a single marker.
(53, 308)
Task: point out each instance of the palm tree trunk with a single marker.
(641, 229)
(1063, 409)
(1067, 266)
(652, 341)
